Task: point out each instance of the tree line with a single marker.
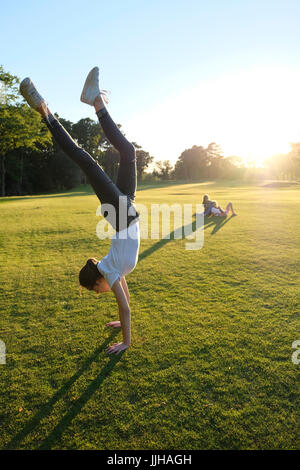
(31, 162)
(200, 163)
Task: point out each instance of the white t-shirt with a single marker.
(123, 254)
(216, 211)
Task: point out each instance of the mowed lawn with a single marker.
(212, 330)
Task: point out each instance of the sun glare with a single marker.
(252, 114)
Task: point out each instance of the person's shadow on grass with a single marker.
(216, 222)
(46, 409)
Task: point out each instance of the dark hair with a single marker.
(89, 274)
(206, 196)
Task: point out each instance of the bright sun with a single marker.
(252, 114)
(259, 114)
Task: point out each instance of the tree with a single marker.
(192, 164)
(64, 173)
(285, 166)
(215, 160)
(199, 162)
(110, 162)
(20, 126)
(163, 169)
(294, 160)
(90, 136)
(233, 168)
(143, 160)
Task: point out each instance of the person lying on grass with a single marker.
(207, 203)
(219, 212)
(109, 273)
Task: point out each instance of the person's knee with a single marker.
(128, 153)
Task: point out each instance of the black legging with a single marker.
(107, 191)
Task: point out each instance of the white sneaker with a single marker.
(91, 87)
(30, 93)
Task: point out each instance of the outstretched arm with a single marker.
(114, 323)
(125, 288)
(124, 314)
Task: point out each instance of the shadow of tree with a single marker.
(45, 196)
(86, 190)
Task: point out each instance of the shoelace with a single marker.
(104, 94)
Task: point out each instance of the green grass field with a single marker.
(210, 365)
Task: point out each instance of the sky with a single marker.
(180, 73)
